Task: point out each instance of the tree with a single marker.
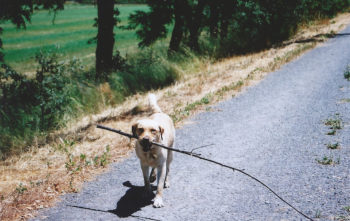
(152, 25)
(19, 12)
(179, 22)
(106, 21)
(213, 20)
(195, 19)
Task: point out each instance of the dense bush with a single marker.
(30, 105)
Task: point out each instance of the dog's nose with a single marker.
(145, 141)
(146, 144)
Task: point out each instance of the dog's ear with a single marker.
(161, 131)
(134, 128)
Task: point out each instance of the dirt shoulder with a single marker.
(35, 179)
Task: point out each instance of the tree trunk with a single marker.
(195, 25)
(105, 37)
(226, 15)
(213, 19)
(223, 29)
(178, 30)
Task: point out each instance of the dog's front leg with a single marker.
(168, 161)
(145, 171)
(158, 199)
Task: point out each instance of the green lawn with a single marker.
(72, 29)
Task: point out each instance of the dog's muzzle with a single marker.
(146, 144)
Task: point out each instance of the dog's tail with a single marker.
(153, 103)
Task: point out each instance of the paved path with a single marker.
(274, 131)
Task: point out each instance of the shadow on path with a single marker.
(130, 203)
(315, 38)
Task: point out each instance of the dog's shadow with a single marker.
(132, 201)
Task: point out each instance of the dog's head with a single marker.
(147, 131)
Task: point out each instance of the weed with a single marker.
(332, 132)
(334, 124)
(318, 214)
(95, 160)
(71, 163)
(82, 157)
(103, 160)
(345, 100)
(328, 161)
(333, 146)
(347, 73)
(21, 189)
(347, 209)
(74, 164)
(71, 186)
(342, 218)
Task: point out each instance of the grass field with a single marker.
(72, 29)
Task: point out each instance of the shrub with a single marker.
(33, 105)
(146, 70)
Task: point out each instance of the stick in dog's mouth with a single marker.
(146, 145)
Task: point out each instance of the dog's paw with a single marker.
(166, 184)
(158, 202)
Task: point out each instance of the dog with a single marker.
(158, 128)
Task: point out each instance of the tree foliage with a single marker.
(152, 24)
(237, 25)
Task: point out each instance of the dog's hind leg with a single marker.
(153, 175)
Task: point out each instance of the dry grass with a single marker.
(34, 179)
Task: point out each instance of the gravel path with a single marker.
(275, 131)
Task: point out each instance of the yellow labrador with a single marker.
(157, 128)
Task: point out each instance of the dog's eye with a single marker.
(140, 130)
(153, 131)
